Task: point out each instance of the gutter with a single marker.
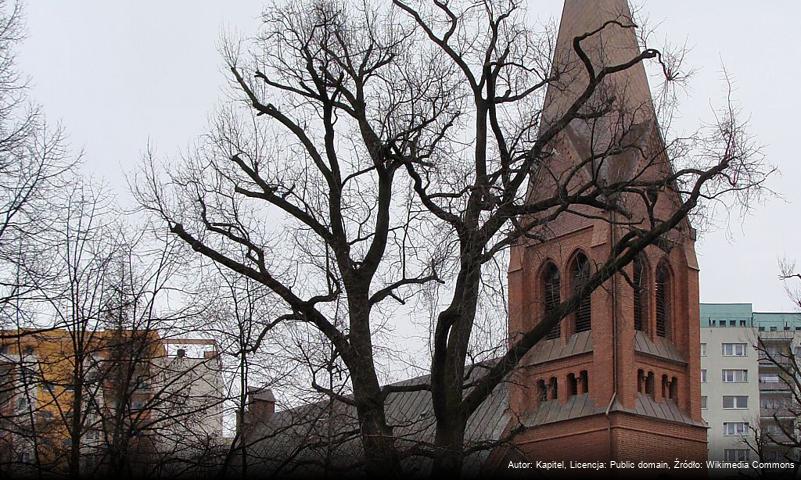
(612, 240)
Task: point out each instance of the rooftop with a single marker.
(743, 315)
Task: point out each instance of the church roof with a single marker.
(298, 441)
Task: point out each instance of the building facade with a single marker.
(747, 362)
(619, 378)
(115, 392)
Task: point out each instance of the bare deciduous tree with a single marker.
(33, 165)
(375, 151)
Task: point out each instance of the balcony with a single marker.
(780, 413)
(774, 387)
(775, 360)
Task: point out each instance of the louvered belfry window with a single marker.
(640, 294)
(551, 285)
(580, 273)
(662, 300)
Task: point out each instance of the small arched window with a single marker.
(673, 392)
(663, 300)
(579, 274)
(649, 385)
(542, 391)
(572, 384)
(553, 389)
(551, 284)
(640, 293)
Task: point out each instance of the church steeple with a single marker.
(615, 43)
(627, 359)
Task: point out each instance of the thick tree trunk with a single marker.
(381, 456)
(450, 449)
(454, 327)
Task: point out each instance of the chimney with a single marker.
(261, 404)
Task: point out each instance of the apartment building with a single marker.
(120, 391)
(746, 402)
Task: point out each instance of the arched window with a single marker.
(553, 388)
(584, 381)
(649, 385)
(641, 381)
(542, 391)
(673, 392)
(572, 384)
(640, 288)
(579, 274)
(663, 300)
(551, 284)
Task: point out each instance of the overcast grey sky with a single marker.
(121, 73)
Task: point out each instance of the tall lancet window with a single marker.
(639, 282)
(663, 300)
(579, 274)
(551, 284)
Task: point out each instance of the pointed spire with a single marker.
(612, 45)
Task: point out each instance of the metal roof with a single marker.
(722, 313)
(659, 348)
(301, 441)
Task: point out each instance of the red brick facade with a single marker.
(619, 361)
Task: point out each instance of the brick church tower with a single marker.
(620, 378)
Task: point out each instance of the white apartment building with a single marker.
(190, 379)
(743, 394)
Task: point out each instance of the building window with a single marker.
(769, 402)
(542, 391)
(733, 349)
(768, 378)
(703, 402)
(703, 375)
(551, 285)
(772, 353)
(742, 323)
(735, 428)
(703, 349)
(640, 286)
(663, 300)
(553, 388)
(572, 384)
(774, 456)
(649, 385)
(735, 375)
(735, 401)
(579, 274)
(735, 454)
